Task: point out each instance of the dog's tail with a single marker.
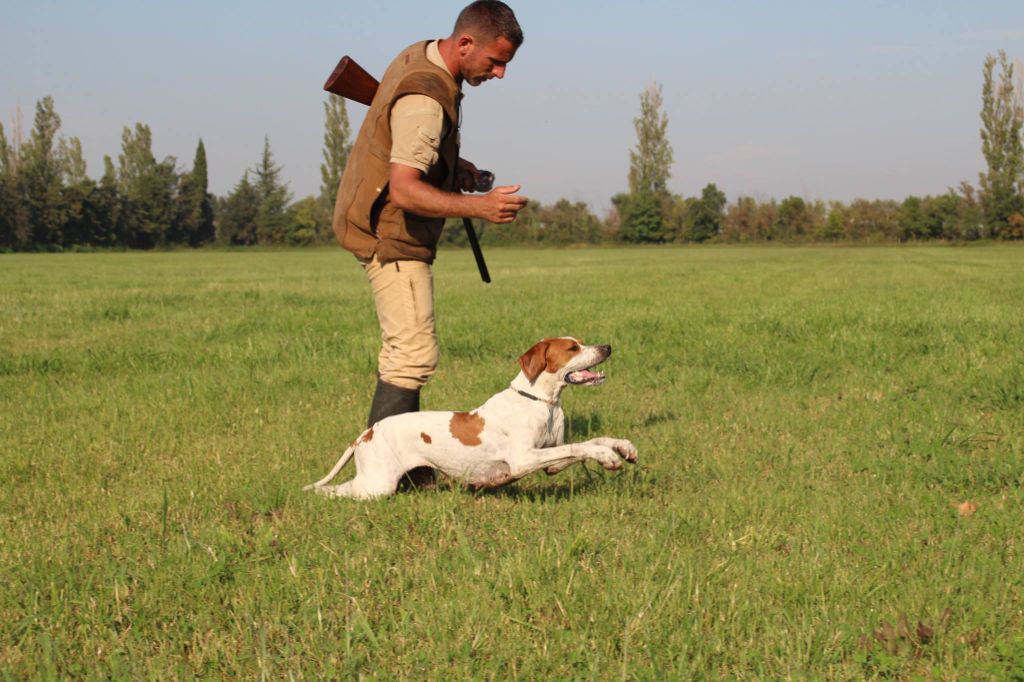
(334, 472)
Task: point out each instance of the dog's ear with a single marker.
(534, 360)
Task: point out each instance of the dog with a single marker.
(518, 431)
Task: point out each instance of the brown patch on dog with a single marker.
(466, 427)
(548, 355)
(426, 439)
(366, 437)
(560, 352)
(533, 361)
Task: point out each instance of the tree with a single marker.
(148, 188)
(876, 220)
(795, 219)
(833, 227)
(565, 222)
(747, 221)
(238, 214)
(1002, 117)
(337, 147)
(970, 218)
(305, 215)
(651, 161)
(41, 170)
(107, 204)
(272, 220)
(195, 202)
(8, 193)
(704, 218)
(643, 210)
(641, 216)
(72, 162)
(77, 196)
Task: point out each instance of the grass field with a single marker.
(808, 420)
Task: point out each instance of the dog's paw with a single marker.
(608, 458)
(626, 450)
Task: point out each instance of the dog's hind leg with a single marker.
(488, 474)
(378, 471)
(358, 489)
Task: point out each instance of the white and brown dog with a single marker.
(515, 433)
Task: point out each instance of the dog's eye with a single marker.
(574, 347)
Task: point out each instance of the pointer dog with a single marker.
(515, 433)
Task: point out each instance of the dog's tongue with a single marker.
(584, 376)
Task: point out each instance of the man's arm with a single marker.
(410, 192)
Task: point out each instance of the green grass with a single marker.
(807, 418)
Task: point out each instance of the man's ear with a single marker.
(534, 360)
(465, 43)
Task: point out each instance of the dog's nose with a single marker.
(606, 350)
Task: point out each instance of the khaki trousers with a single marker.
(403, 293)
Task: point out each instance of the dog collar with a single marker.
(530, 396)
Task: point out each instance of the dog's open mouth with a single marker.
(585, 377)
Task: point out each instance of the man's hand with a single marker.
(501, 204)
(466, 176)
(410, 192)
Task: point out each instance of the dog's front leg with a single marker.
(553, 460)
(622, 447)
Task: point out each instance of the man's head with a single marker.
(486, 37)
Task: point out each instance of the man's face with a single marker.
(481, 62)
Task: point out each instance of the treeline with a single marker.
(954, 216)
(648, 212)
(48, 201)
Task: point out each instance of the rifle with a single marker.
(351, 81)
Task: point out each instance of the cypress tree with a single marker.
(337, 147)
(197, 202)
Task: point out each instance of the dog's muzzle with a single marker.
(585, 377)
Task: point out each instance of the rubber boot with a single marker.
(389, 400)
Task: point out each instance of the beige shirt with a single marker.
(417, 124)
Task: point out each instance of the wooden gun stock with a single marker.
(351, 81)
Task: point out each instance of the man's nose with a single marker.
(498, 71)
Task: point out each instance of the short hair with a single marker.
(489, 20)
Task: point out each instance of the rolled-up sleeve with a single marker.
(416, 125)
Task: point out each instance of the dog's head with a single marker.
(567, 360)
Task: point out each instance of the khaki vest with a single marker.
(366, 222)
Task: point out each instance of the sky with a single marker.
(822, 100)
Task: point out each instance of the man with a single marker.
(404, 177)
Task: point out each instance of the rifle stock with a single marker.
(351, 81)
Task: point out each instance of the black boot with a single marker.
(389, 400)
